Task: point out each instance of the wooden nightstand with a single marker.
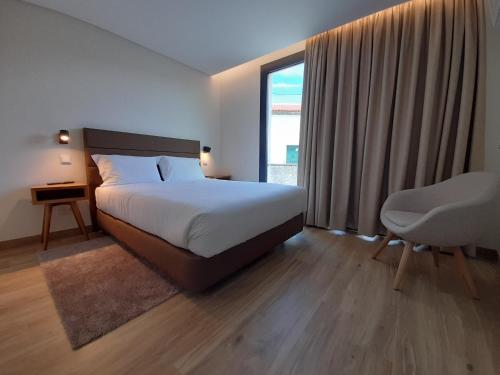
(221, 177)
(56, 195)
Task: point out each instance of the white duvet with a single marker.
(204, 216)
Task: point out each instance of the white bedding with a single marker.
(205, 216)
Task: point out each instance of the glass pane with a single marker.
(283, 124)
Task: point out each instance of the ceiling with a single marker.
(214, 35)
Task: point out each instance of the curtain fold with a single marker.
(389, 103)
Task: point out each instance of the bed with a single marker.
(196, 232)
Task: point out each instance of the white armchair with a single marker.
(450, 214)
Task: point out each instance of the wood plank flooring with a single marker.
(317, 305)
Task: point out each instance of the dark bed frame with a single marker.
(186, 269)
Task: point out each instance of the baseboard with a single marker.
(487, 254)
(481, 252)
(23, 241)
(484, 253)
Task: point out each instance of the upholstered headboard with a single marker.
(97, 141)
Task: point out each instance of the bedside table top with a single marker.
(58, 186)
(59, 193)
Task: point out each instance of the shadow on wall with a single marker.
(25, 220)
(17, 204)
(492, 238)
(41, 163)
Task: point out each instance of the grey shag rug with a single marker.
(97, 286)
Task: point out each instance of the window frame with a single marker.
(265, 70)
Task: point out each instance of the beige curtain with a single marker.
(389, 103)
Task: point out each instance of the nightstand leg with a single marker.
(47, 214)
(79, 219)
(42, 235)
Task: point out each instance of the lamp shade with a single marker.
(63, 137)
(206, 149)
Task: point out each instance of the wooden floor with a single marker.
(316, 305)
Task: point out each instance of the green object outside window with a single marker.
(292, 154)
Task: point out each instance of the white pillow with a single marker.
(124, 169)
(174, 168)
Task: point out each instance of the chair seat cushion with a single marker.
(403, 218)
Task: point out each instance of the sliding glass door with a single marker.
(281, 98)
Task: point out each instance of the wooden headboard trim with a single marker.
(108, 142)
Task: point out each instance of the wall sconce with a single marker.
(206, 149)
(63, 137)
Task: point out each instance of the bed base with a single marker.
(186, 269)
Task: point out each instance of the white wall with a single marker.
(492, 124)
(60, 73)
(240, 93)
(240, 113)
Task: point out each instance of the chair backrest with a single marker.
(462, 207)
(480, 187)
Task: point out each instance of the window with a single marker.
(281, 99)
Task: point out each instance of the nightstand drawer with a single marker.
(43, 196)
(58, 193)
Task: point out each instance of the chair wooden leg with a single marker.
(435, 255)
(79, 219)
(402, 265)
(390, 236)
(464, 271)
